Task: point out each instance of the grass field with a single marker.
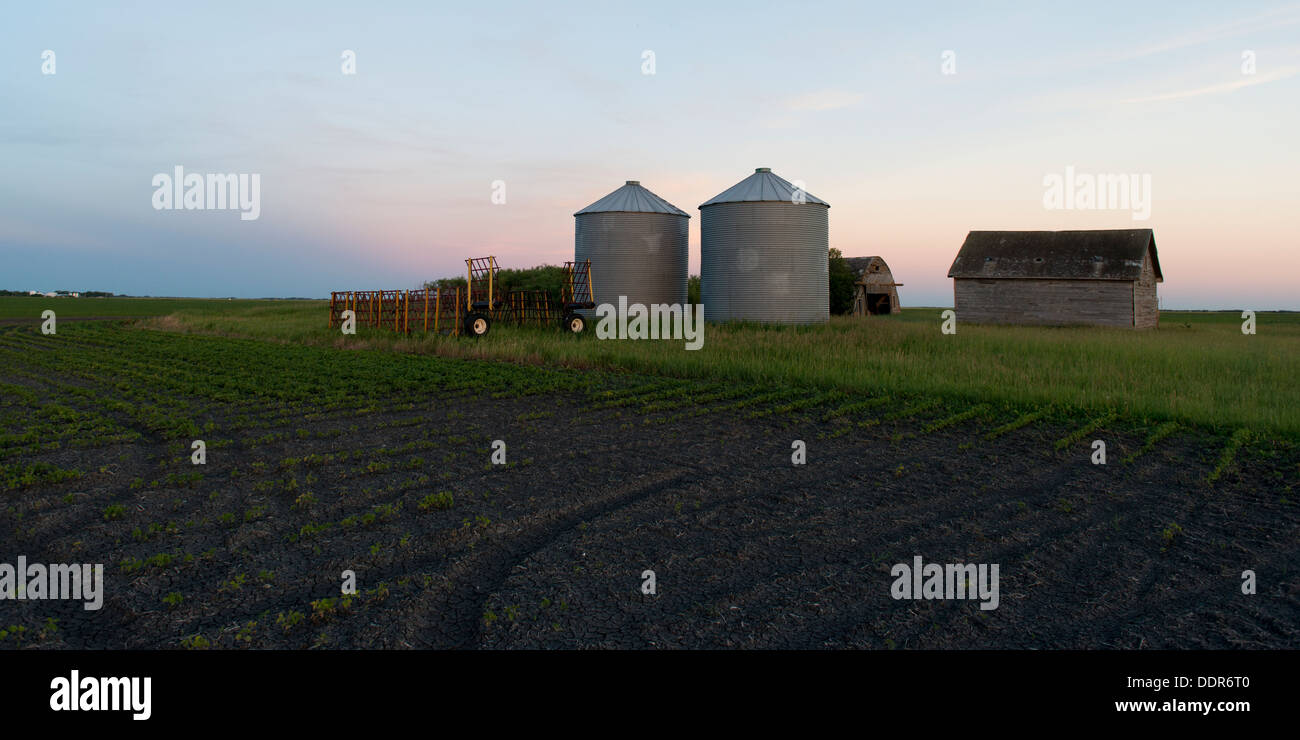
(30, 308)
(1198, 368)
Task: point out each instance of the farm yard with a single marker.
(373, 454)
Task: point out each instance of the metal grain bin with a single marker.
(764, 254)
(636, 242)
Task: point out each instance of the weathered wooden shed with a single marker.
(875, 291)
(1102, 277)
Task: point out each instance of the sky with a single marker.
(916, 122)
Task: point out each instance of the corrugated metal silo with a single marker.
(636, 242)
(763, 253)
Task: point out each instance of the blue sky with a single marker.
(384, 178)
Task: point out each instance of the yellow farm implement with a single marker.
(472, 309)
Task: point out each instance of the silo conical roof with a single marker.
(762, 186)
(632, 198)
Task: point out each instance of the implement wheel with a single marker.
(477, 324)
(574, 323)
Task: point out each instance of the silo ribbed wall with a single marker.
(765, 261)
(643, 256)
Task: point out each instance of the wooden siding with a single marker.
(1146, 308)
(874, 279)
(1048, 302)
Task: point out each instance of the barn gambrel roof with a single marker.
(1103, 254)
(859, 264)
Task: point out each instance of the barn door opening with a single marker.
(879, 303)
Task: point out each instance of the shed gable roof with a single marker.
(1103, 254)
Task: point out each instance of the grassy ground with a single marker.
(30, 308)
(1197, 368)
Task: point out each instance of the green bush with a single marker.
(549, 278)
(842, 279)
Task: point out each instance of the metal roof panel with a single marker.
(633, 198)
(762, 186)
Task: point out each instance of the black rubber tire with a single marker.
(574, 323)
(477, 324)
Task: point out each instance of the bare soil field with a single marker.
(320, 461)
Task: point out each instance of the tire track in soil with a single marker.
(1182, 501)
(761, 503)
(1073, 545)
(475, 578)
(1073, 553)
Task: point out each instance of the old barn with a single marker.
(875, 291)
(1103, 277)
